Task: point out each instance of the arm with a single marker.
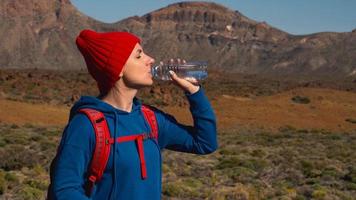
(73, 158)
(200, 139)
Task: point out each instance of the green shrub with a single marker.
(312, 181)
(3, 184)
(30, 193)
(302, 131)
(37, 138)
(315, 130)
(165, 168)
(258, 153)
(332, 172)
(300, 197)
(15, 156)
(28, 125)
(175, 189)
(171, 190)
(287, 129)
(353, 121)
(228, 162)
(242, 174)
(301, 99)
(254, 164)
(251, 163)
(193, 183)
(47, 145)
(319, 194)
(3, 143)
(351, 186)
(185, 188)
(14, 126)
(335, 136)
(38, 170)
(227, 152)
(350, 176)
(11, 177)
(307, 168)
(17, 138)
(37, 184)
(54, 132)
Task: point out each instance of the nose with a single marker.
(151, 60)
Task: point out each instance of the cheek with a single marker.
(134, 72)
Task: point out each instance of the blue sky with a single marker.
(292, 16)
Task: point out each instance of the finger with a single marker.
(161, 63)
(188, 78)
(180, 81)
(184, 62)
(171, 61)
(173, 75)
(178, 60)
(192, 80)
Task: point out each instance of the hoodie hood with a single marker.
(98, 104)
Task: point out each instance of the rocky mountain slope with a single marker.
(41, 34)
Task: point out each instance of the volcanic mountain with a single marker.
(41, 34)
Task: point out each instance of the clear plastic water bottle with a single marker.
(196, 69)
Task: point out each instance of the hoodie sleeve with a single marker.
(73, 159)
(198, 139)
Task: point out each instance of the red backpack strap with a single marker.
(151, 119)
(102, 147)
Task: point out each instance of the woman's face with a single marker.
(137, 70)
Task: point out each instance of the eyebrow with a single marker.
(139, 50)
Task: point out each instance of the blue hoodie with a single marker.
(122, 176)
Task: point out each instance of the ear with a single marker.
(122, 71)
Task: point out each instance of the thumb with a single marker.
(184, 84)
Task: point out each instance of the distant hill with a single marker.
(41, 34)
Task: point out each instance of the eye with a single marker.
(139, 54)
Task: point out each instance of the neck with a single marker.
(120, 96)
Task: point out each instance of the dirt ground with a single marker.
(15, 112)
(329, 109)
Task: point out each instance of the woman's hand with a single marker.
(190, 85)
(187, 84)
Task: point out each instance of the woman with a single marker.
(120, 67)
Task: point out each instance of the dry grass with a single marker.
(310, 155)
(328, 109)
(289, 164)
(14, 112)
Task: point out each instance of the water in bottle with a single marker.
(197, 70)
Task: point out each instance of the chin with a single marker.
(149, 83)
(145, 84)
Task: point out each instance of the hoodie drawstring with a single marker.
(113, 191)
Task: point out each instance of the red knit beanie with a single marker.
(105, 55)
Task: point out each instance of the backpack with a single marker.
(104, 142)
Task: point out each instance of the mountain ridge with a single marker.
(41, 34)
